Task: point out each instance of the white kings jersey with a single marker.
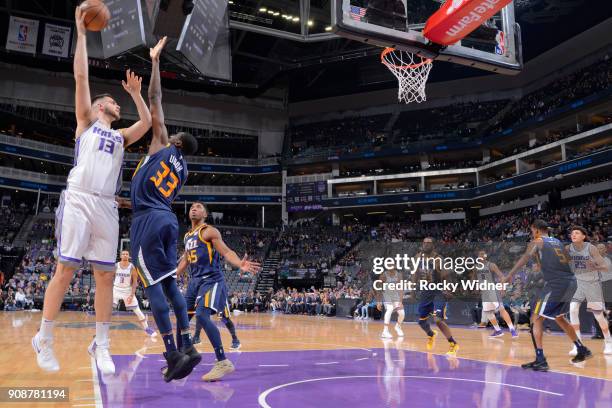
(98, 158)
(123, 277)
(579, 263)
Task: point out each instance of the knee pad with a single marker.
(400, 315)
(574, 313)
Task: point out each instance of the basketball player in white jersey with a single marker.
(87, 221)
(124, 288)
(491, 299)
(587, 264)
(392, 302)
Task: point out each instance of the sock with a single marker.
(426, 327)
(102, 334)
(46, 328)
(169, 342)
(141, 318)
(179, 341)
(185, 339)
(540, 354)
(579, 344)
(232, 329)
(496, 326)
(451, 340)
(510, 326)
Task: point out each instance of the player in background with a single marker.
(392, 301)
(153, 234)
(194, 215)
(124, 288)
(491, 299)
(87, 219)
(587, 264)
(554, 301)
(432, 303)
(206, 290)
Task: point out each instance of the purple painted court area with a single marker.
(384, 377)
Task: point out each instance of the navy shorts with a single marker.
(153, 238)
(555, 298)
(212, 295)
(432, 304)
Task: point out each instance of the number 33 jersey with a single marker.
(98, 158)
(158, 180)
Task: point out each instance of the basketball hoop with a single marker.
(411, 71)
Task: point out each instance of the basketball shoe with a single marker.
(219, 370)
(44, 353)
(101, 354)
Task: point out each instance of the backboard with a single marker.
(494, 46)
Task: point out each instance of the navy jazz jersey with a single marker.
(158, 180)
(204, 260)
(554, 261)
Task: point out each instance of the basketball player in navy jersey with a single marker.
(554, 301)
(432, 303)
(153, 234)
(206, 291)
(198, 217)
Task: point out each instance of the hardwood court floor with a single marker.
(278, 341)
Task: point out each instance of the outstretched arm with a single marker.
(133, 85)
(212, 235)
(160, 133)
(82, 100)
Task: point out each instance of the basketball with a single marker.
(96, 14)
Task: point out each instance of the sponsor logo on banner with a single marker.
(22, 35)
(57, 40)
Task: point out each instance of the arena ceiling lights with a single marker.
(297, 20)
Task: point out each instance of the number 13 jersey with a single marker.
(98, 158)
(158, 180)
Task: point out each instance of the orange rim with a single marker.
(412, 66)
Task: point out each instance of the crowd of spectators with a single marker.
(456, 122)
(584, 82)
(309, 249)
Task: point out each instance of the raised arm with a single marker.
(133, 86)
(160, 133)
(212, 235)
(82, 99)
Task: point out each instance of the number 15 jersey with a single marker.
(158, 180)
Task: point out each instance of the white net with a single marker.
(411, 72)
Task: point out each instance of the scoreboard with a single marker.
(200, 32)
(306, 196)
(126, 28)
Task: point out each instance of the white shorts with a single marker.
(393, 305)
(592, 292)
(87, 227)
(123, 294)
(490, 306)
